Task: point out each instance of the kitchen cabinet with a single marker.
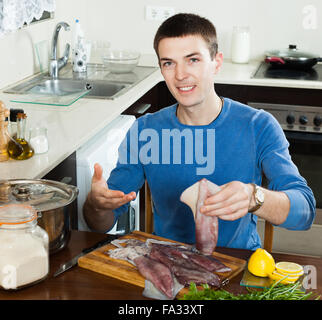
(277, 95)
(160, 96)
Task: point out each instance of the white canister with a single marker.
(240, 45)
(24, 257)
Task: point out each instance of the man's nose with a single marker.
(181, 71)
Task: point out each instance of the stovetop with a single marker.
(266, 71)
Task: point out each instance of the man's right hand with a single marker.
(101, 201)
(103, 198)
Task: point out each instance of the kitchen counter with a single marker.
(70, 127)
(78, 283)
(242, 74)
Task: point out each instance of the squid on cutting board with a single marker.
(206, 226)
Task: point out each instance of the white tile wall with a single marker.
(273, 24)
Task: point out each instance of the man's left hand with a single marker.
(231, 202)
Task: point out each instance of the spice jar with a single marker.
(24, 258)
(38, 139)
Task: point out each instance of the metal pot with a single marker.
(51, 199)
(292, 58)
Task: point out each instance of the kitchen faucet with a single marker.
(56, 64)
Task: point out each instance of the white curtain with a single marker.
(14, 13)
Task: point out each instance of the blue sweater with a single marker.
(240, 144)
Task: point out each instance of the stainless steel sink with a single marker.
(58, 87)
(62, 87)
(100, 83)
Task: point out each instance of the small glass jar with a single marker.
(38, 139)
(24, 258)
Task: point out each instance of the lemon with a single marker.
(291, 268)
(286, 278)
(261, 263)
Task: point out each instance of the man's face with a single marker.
(188, 69)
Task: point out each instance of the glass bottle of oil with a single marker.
(19, 148)
(4, 155)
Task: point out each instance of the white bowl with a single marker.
(120, 61)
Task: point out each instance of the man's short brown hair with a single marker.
(184, 24)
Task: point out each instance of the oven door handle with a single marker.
(304, 136)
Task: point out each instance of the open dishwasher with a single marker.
(103, 149)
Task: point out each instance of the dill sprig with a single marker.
(276, 291)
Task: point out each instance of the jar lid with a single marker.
(13, 114)
(13, 214)
(41, 194)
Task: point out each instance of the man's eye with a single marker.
(193, 60)
(166, 64)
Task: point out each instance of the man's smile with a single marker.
(186, 88)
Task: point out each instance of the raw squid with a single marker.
(137, 253)
(133, 249)
(167, 266)
(181, 269)
(156, 272)
(206, 226)
(209, 263)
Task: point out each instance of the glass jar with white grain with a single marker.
(24, 258)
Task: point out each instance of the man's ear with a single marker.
(219, 58)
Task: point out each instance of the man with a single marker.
(244, 143)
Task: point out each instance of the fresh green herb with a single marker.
(276, 291)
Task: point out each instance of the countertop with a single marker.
(78, 283)
(242, 74)
(70, 127)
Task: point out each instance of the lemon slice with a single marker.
(286, 278)
(298, 274)
(261, 263)
(289, 276)
(285, 267)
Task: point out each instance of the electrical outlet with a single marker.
(158, 13)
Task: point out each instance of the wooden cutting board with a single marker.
(100, 262)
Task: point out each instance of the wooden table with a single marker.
(82, 284)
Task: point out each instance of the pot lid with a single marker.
(291, 53)
(41, 194)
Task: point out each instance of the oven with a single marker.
(302, 127)
(306, 153)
